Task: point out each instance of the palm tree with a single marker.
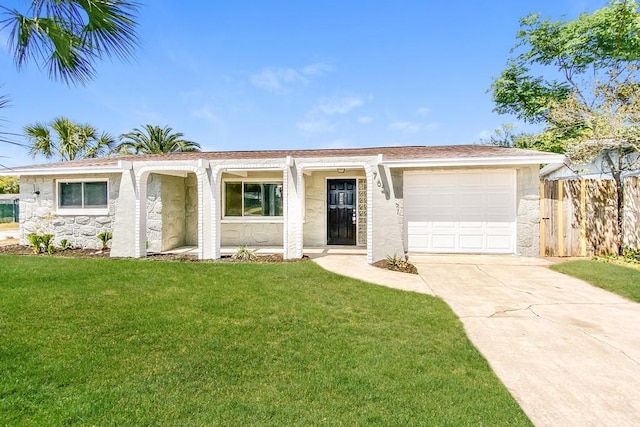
(72, 140)
(69, 36)
(154, 140)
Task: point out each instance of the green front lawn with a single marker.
(125, 342)
(616, 278)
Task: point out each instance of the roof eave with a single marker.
(61, 171)
(476, 161)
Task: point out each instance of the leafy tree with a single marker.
(588, 99)
(67, 140)
(506, 136)
(154, 140)
(9, 185)
(68, 36)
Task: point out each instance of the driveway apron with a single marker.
(567, 351)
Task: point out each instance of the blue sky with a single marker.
(247, 75)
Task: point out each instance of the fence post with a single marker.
(543, 224)
(560, 222)
(583, 218)
(16, 214)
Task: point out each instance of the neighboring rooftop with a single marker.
(388, 153)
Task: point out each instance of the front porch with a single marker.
(311, 252)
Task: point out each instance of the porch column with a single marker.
(205, 207)
(216, 206)
(298, 217)
(369, 174)
(140, 246)
(124, 229)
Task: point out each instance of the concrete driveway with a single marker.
(567, 351)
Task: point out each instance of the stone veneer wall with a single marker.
(191, 210)
(172, 212)
(38, 213)
(528, 211)
(154, 213)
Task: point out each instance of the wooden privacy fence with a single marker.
(579, 217)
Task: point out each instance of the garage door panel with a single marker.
(471, 225)
(471, 200)
(499, 243)
(471, 243)
(444, 225)
(443, 242)
(460, 211)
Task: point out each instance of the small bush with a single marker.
(104, 238)
(64, 244)
(395, 261)
(631, 255)
(244, 253)
(41, 243)
(35, 240)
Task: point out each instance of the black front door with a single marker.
(341, 212)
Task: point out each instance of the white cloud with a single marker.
(338, 105)
(412, 127)
(317, 69)
(278, 80)
(408, 127)
(206, 112)
(315, 125)
(317, 120)
(338, 143)
(365, 119)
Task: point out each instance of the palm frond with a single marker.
(153, 139)
(69, 36)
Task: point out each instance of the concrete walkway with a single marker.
(356, 266)
(568, 352)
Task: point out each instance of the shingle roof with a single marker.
(389, 153)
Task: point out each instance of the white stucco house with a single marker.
(387, 200)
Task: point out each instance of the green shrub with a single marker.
(64, 244)
(104, 238)
(631, 255)
(41, 243)
(395, 261)
(35, 240)
(244, 253)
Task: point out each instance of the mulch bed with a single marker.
(96, 253)
(71, 253)
(403, 267)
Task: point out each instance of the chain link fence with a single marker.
(9, 210)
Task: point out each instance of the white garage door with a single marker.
(460, 211)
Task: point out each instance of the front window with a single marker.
(82, 195)
(253, 199)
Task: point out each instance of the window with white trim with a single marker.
(252, 199)
(82, 195)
